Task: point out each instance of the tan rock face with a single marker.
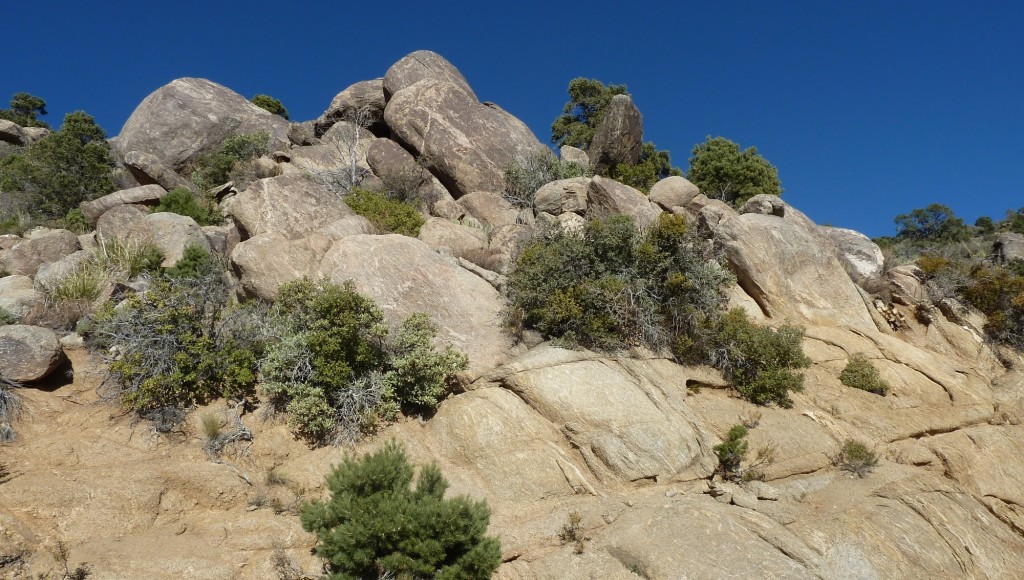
(18, 296)
(170, 232)
(148, 169)
(363, 98)
(290, 206)
(607, 196)
(467, 145)
(419, 65)
(268, 260)
(28, 353)
(456, 238)
(191, 117)
(674, 191)
(404, 275)
(790, 270)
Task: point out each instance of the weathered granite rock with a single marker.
(363, 100)
(863, 258)
(144, 194)
(290, 205)
(404, 275)
(18, 296)
(148, 169)
(465, 144)
(618, 137)
(28, 353)
(607, 196)
(170, 232)
(673, 191)
(419, 65)
(44, 246)
(191, 117)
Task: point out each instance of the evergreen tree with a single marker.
(374, 523)
(25, 110)
(722, 171)
(64, 168)
(588, 98)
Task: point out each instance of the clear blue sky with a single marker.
(868, 109)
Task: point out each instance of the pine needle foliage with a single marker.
(376, 524)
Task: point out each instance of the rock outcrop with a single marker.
(41, 247)
(619, 136)
(465, 144)
(190, 117)
(363, 100)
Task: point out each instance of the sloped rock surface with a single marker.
(419, 65)
(790, 269)
(607, 196)
(289, 205)
(465, 144)
(190, 117)
(170, 232)
(147, 169)
(404, 275)
(267, 260)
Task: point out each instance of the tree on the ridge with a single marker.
(588, 99)
(64, 168)
(935, 223)
(25, 110)
(653, 166)
(723, 171)
(270, 104)
(375, 525)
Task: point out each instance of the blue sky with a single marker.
(868, 109)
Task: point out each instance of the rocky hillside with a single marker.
(625, 440)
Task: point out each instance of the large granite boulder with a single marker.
(465, 144)
(788, 267)
(404, 276)
(143, 194)
(117, 221)
(28, 353)
(42, 247)
(364, 99)
(191, 117)
(673, 191)
(170, 232)
(401, 174)
(489, 208)
(442, 234)
(419, 65)
(290, 206)
(11, 132)
(563, 195)
(607, 196)
(619, 136)
(267, 260)
(862, 257)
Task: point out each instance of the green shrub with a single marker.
(174, 347)
(856, 458)
(861, 374)
(268, 103)
(387, 215)
(6, 317)
(760, 361)
(183, 202)
(610, 286)
(418, 375)
(374, 525)
(195, 262)
(653, 166)
(75, 221)
(336, 371)
(525, 176)
(998, 291)
(722, 171)
(732, 451)
(213, 170)
(62, 169)
(935, 223)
